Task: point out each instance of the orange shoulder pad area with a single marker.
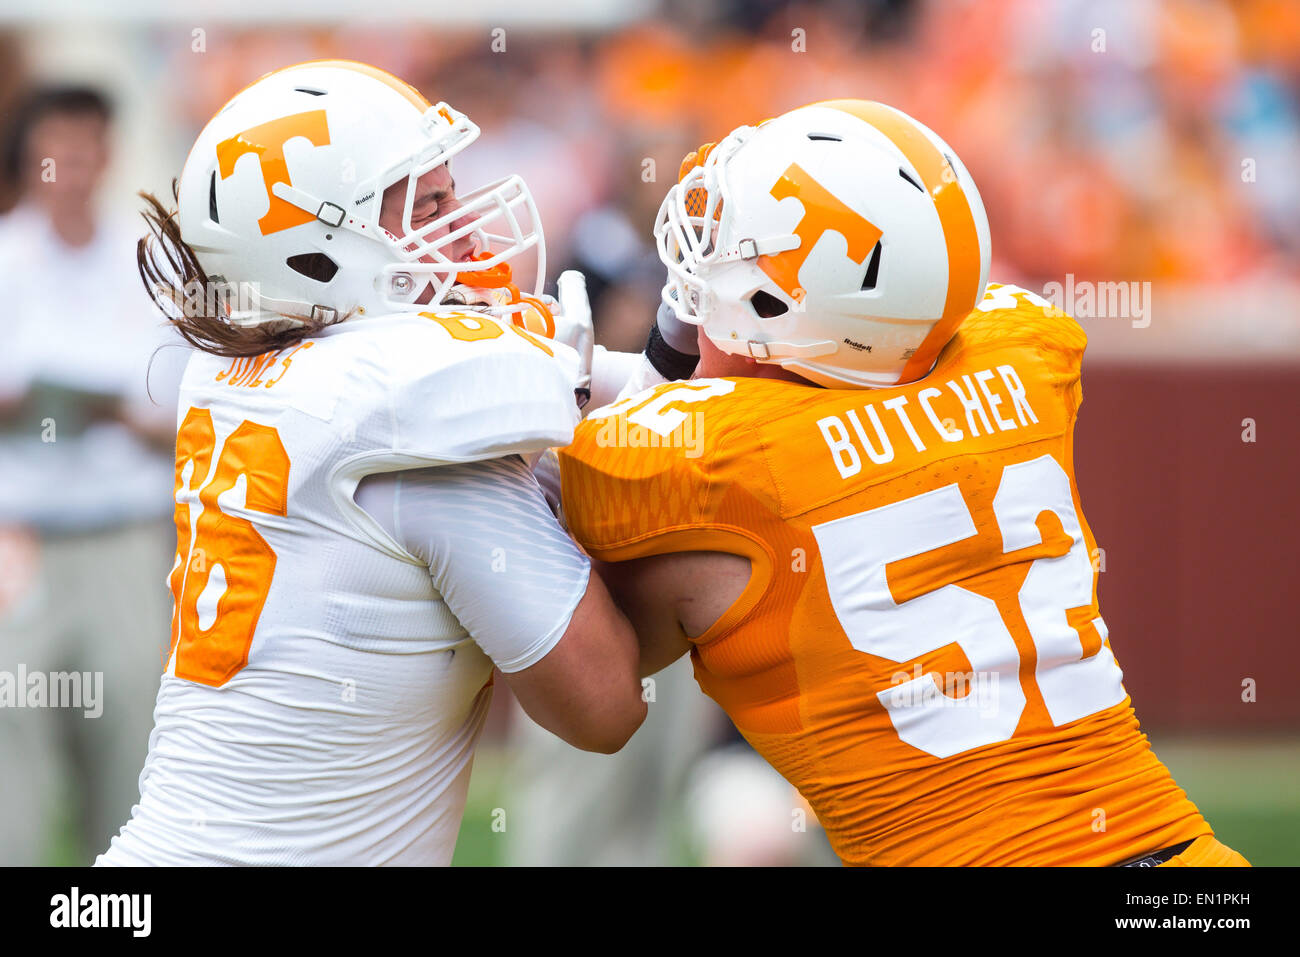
(659, 462)
(1009, 316)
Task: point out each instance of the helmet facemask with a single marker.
(686, 231)
(500, 219)
(690, 232)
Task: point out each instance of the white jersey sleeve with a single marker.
(460, 400)
(437, 399)
(494, 551)
(616, 375)
(610, 372)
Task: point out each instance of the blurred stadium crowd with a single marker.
(1152, 140)
(1118, 139)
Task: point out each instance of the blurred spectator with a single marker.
(85, 486)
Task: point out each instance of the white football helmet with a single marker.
(843, 241)
(280, 199)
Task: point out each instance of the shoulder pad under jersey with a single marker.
(463, 386)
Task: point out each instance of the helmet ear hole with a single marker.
(767, 306)
(315, 266)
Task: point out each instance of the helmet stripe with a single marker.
(955, 218)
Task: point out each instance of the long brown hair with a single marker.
(171, 274)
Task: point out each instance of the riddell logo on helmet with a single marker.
(822, 211)
(267, 141)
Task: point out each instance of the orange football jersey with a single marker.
(919, 649)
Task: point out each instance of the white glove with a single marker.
(573, 326)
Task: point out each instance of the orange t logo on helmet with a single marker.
(822, 211)
(267, 141)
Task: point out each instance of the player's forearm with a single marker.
(640, 597)
(586, 690)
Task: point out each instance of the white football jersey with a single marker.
(321, 703)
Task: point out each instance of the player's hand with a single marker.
(573, 327)
(566, 320)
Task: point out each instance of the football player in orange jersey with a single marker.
(860, 517)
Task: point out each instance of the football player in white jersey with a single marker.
(360, 537)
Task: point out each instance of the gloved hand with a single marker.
(573, 327)
(567, 321)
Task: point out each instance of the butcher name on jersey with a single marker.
(984, 396)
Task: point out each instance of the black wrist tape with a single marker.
(666, 360)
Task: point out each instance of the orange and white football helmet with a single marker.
(281, 195)
(843, 241)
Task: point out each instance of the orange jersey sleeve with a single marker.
(919, 650)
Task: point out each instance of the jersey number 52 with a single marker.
(1074, 682)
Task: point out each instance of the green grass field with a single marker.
(1248, 789)
(478, 845)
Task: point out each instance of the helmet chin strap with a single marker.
(776, 351)
(269, 310)
(496, 286)
(474, 297)
(748, 249)
(328, 213)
